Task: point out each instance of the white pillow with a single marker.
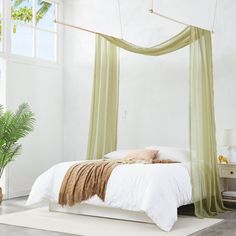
(172, 153)
(117, 154)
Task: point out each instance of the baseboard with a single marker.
(18, 193)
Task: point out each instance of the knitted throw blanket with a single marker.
(84, 180)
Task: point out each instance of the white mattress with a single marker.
(156, 189)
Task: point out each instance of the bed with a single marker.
(139, 192)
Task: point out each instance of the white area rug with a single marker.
(41, 218)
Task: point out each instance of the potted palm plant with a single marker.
(13, 126)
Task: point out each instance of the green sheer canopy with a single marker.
(104, 112)
(103, 123)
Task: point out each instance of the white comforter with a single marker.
(157, 189)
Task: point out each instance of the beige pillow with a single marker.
(142, 155)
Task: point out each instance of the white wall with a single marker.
(153, 91)
(224, 68)
(78, 73)
(153, 100)
(2, 102)
(41, 87)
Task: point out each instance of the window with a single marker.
(33, 32)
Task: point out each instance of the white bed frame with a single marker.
(101, 211)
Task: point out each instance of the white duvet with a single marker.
(157, 189)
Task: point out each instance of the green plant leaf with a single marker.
(13, 127)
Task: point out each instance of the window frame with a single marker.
(7, 38)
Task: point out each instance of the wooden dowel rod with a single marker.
(80, 28)
(168, 18)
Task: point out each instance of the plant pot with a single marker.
(1, 196)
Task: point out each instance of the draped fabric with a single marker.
(177, 42)
(204, 172)
(102, 138)
(103, 121)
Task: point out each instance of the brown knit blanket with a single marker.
(84, 180)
